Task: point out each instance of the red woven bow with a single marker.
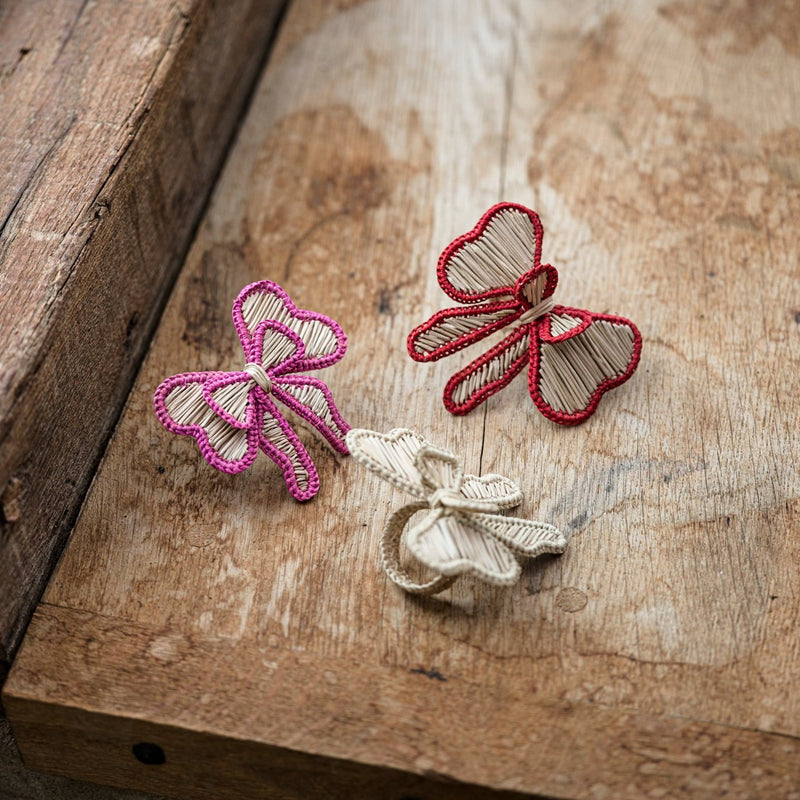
(574, 356)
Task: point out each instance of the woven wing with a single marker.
(283, 446)
(218, 410)
(452, 544)
(391, 455)
(504, 492)
(276, 347)
(576, 357)
(323, 339)
(311, 399)
(487, 262)
(524, 537)
(488, 373)
(453, 329)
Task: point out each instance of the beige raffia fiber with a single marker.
(461, 532)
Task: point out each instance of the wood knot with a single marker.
(10, 501)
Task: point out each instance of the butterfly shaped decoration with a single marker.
(461, 532)
(233, 414)
(574, 356)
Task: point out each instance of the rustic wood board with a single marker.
(115, 120)
(254, 638)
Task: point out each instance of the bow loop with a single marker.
(438, 469)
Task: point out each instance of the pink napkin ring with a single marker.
(234, 414)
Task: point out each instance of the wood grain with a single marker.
(115, 120)
(658, 657)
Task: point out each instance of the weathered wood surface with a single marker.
(115, 118)
(18, 783)
(658, 657)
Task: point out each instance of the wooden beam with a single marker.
(115, 120)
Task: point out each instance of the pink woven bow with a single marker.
(233, 414)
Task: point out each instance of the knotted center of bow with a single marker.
(450, 500)
(259, 375)
(445, 498)
(539, 310)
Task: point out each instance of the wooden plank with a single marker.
(115, 120)
(293, 724)
(659, 655)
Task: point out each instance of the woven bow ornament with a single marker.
(233, 414)
(461, 532)
(573, 356)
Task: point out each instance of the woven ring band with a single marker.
(390, 553)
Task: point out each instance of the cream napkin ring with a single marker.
(462, 532)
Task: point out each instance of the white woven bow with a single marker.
(461, 533)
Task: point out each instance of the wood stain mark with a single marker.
(691, 181)
(308, 237)
(539, 575)
(433, 674)
(388, 296)
(617, 470)
(651, 471)
(333, 173)
(326, 164)
(578, 521)
(130, 329)
(742, 27)
(384, 304)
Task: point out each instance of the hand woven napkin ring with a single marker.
(233, 414)
(573, 356)
(461, 533)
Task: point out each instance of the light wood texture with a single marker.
(658, 657)
(115, 119)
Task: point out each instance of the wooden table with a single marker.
(256, 640)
